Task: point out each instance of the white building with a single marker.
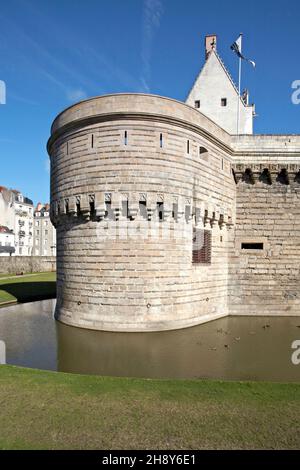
(44, 232)
(7, 210)
(215, 94)
(7, 241)
(23, 225)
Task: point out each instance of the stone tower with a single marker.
(141, 194)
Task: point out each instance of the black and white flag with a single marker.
(237, 48)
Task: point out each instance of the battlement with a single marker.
(138, 206)
(285, 174)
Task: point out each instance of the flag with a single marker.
(237, 48)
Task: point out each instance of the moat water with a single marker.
(232, 348)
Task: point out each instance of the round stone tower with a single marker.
(142, 198)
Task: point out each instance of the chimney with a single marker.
(210, 44)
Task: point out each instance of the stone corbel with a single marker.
(180, 208)
(116, 205)
(168, 209)
(133, 206)
(100, 208)
(85, 209)
(215, 220)
(72, 209)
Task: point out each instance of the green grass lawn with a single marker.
(28, 287)
(52, 410)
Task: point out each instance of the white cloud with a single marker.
(152, 13)
(76, 95)
(47, 165)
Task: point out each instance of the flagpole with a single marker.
(240, 76)
(238, 106)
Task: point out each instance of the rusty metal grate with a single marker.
(201, 246)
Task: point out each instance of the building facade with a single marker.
(165, 218)
(44, 234)
(7, 241)
(23, 208)
(16, 213)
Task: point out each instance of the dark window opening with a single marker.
(92, 141)
(143, 209)
(107, 208)
(252, 246)
(201, 246)
(92, 207)
(202, 150)
(160, 210)
(78, 208)
(67, 206)
(188, 146)
(223, 101)
(125, 138)
(161, 140)
(197, 104)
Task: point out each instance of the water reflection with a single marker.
(242, 348)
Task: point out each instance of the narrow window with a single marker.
(188, 146)
(92, 207)
(201, 246)
(223, 101)
(197, 104)
(252, 246)
(222, 164)
(125, 138)
(92, 141)
(161, 140)
(67, 148)
(202, 150)
(160, 210)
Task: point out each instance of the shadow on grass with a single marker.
(30, 291)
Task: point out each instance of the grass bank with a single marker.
(52, 410)
(27, 288)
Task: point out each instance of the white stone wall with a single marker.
(210, 87)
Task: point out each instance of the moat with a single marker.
(231, 348)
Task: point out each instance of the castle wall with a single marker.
(266, 281)
(125, 205)
(27, 264)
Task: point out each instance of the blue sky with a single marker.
(54, 53)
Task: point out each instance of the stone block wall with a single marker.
(114, 162)
(27, 264)
(266, 280)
